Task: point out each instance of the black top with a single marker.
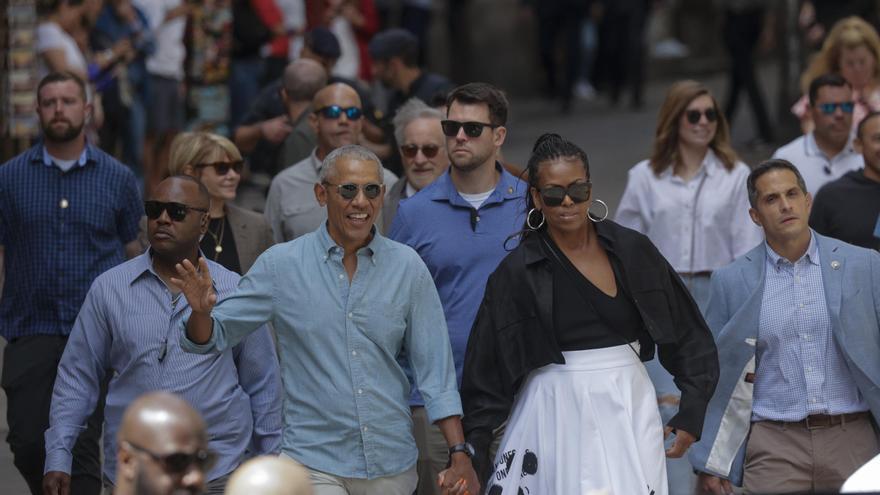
(219, 229)
(584, 317)
(847, 209)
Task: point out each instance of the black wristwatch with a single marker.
(465, 447)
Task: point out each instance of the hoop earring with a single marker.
(597, 219)
(529, 219)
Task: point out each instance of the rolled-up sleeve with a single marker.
(429, 351)
(77, 385)
(243, 312)
(260, 377)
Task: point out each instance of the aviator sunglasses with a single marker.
(176, 211)
(411, 150)
(555, 195)
(178, 463)
(693, 116)
(829, 108)
(222, 168)
(349, 190)
(335, 111)
(471, 129)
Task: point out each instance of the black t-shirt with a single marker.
(847, 209)
(219, 230)
(587, 318)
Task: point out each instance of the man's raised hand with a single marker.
(196, 285)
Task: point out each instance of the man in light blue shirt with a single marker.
(459, 225)
(345, 302)
(128, 328)
(798, 330)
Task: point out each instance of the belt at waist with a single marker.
(816, 421)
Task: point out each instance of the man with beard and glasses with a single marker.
(68, 212)
(127, 330)
(459, 224)
(162, 448)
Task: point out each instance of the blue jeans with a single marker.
(244, 86)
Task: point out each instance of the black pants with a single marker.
(741, 34)
(562, 27)
(29, 368)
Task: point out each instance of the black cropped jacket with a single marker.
(513, 333)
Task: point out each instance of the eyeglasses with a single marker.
(694, 116)
(176, 211)
(411, 150)
(349, 190)
(555, 195)
(335, 111)
(222, 168)
(829, 108)
(471, 129)
(178, 463)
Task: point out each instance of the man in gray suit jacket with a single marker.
(796, 323)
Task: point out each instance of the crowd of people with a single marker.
(405, 311)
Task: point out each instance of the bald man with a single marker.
(162, 448)
(301, 81)
(270, 475)
(125, 330)
(337, 119)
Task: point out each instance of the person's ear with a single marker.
(499, 134)
(126, 463)
(313, 121)
(755, 218)
(536, 198)
(321, 194)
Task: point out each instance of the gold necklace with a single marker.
(218, 238)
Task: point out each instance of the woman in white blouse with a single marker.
(690, 199)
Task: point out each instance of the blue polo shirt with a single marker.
(461, 246)
(60, 230)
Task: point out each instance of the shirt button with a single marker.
(477, 218)
(350, 315)
(365, 428)
(360, 391)
(354, 353)
(809, 368)
(801, 305)
(341, 276)
(64, 203)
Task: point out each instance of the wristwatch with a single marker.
(465, 447)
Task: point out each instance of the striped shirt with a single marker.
(128, 326)
(59, 231)
(800, 369)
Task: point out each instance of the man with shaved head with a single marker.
(126, 330)
(162, 448)
(337, 119)
(270, 475)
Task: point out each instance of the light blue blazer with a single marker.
(851, 276)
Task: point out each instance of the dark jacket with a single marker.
(513, 332)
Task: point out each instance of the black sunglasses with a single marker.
(829, 108)
(222, 168)
(694, 116)
(411, 150)
(335, 111)
(349, 190)
(471, 129)
(176, 211)
(178, 463)
(555, 195)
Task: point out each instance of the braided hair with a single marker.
(550, 147)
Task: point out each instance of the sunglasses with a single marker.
(411, 150)
(178, 463)
(471, 129)
(335, 111)
(829, 108)
(694, 116)
(555, 195)
(222, 168)
(176, 211)
(349, 191)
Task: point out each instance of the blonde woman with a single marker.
(852, 50)
(235, 236)
(690, 199)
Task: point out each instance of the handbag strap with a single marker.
(568, 271)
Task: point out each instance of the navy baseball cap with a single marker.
(323, 42)
(392, 43)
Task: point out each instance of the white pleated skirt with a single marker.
(589, 426)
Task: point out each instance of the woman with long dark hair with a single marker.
(557, 346)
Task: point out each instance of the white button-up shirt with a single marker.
(814, 165)
(695, 228)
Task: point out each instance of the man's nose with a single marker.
(194, 480)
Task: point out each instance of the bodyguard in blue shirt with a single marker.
(128, 325)
(459, 225)
(68, 212)
(345, 302)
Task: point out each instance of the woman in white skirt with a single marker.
(557, 348)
